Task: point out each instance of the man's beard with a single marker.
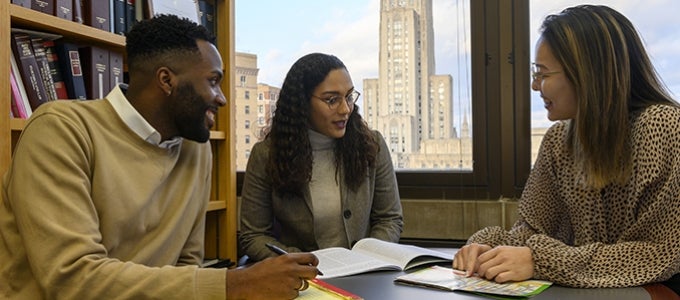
(190, 114)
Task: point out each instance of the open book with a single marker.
(452, 280)
(371, 254)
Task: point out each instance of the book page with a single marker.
(447, 279)
(338, 262)
(404, 256)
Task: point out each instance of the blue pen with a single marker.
(280, 251)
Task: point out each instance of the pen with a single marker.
(280, 251)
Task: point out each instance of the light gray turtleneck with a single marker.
(329, 226)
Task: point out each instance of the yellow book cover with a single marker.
(319, 290)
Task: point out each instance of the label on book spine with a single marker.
(63, 9)
(69, 60)
(44, 6)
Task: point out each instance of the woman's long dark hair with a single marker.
(290, 152)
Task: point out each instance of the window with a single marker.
(243, 80)
(247, 109)
(247, 95)
(481, 45)
(653, 26)
(247, 124)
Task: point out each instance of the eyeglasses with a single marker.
(538, 75)
(334, 101)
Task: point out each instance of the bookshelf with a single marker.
(221, 217)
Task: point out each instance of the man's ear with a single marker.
(165, 79)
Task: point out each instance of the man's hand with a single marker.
(273, 278)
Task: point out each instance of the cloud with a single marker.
(352, 34)
(346, 30)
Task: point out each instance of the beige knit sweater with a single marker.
(92, 211)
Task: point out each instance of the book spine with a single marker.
(23, 96)
(210, 19)
(44, 6)
(206, 15)
(28, 68)
(63, 9)
(119, 14)
(18, 109)
(112, 21)
(23, 3)
(116, 68)
(14, 97)
(97, 14)
(95, 62)
(130, 14)
(44, 67)
(78, 12)
(141, 9)
(55, 71)
(69, 61)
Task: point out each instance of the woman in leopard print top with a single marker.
(601, 206)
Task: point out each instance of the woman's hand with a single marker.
(500, 264)
(467, 258)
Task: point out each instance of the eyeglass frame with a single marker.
(538, 75)
(333, 100)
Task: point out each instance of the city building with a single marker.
(254, 103)
(408, 103)
(245, 106)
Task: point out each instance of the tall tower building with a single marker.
(409, 103)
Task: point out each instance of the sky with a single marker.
(280, 32)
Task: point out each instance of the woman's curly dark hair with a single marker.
(161, 39)
(290, 152)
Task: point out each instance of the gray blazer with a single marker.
(374, 210)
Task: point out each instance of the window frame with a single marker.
(500, 111)
(501, 106)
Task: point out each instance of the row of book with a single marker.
(45, 68)
(110, 15)
(116, 16)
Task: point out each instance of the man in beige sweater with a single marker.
(106, 199)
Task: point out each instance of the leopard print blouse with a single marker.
(618, 236)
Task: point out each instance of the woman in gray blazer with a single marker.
(320, 178)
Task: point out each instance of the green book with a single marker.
(451, 280)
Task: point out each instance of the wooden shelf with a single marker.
(217, 205)
(17, 124)
(30, 19)
(218, 135)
